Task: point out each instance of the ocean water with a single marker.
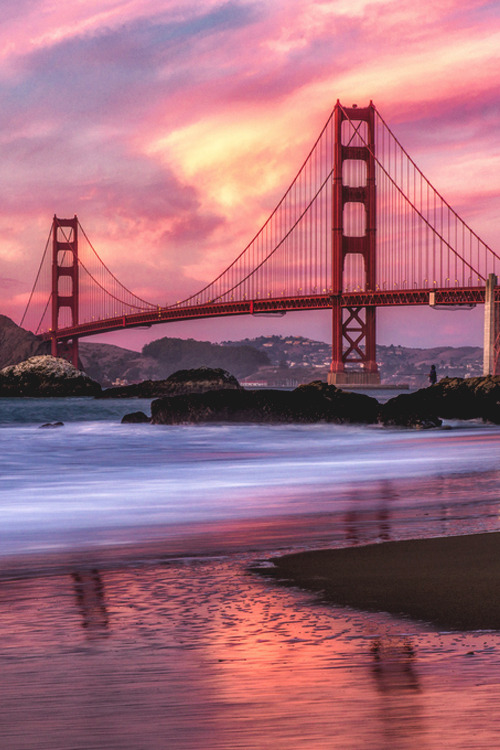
(96, 482)
(129, 617)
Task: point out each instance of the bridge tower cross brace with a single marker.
(64, 265)
(353, 328)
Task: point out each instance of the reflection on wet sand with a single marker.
(156, 646)
(396, 678)
(448, 505)
(202, 654)
(89, 592)
(382, 494)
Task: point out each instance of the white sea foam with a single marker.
(101, 475)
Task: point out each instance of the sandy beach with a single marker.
(452, 582)
(203, 653)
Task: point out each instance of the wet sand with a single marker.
(201, 653)
(453, 582)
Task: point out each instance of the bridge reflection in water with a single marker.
(89, 593)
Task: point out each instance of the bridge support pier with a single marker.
(64, 284)
(353, 233)
(491, 355)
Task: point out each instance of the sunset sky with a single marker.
(173, 128)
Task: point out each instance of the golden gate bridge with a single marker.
(359, 227)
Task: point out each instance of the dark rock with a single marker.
(199, 380)
(451, 398)
(146, 389)
(46, 376)
(339, 405)
(136, 417)
(410, 410)
(52, 424)
(307, 404)
(469, 398)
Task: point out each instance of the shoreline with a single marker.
(450, 582)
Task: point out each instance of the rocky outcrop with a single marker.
(451, 398)
(316, 402)
(16, 344)
(182, 382)
(46, 376)
(407, 411)
(469, 398)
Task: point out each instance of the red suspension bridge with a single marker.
(359, 227)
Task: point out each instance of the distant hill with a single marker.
(271, 359)
(184, 354)
(108, 363)
(401, 364)
(304, 359)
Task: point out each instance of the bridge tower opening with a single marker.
(64, 295)
(353, 233)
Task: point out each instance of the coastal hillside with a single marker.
(109, 364)
(184, 354)
(300, 359)
(270, 360)
(16, 344)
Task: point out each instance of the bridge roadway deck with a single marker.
(154, 316)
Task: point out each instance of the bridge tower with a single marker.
(491, 353)
(64, 283)
(353, 328)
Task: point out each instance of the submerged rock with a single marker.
(137, 417)
(316, 402)
(199, 380)
(45, 375)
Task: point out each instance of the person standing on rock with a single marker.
(433, 375)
